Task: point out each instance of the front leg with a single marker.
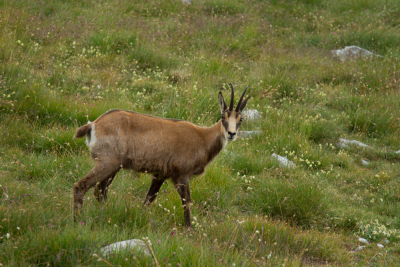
(155, 186)
(182, 186)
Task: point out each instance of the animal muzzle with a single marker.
(231, 136)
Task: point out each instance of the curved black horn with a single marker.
(237, 109)
(232, 97)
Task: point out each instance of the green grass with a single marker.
(63, 63)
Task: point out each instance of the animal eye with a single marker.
(241, 119)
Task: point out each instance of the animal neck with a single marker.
(215, 140)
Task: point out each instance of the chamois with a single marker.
(165, 148)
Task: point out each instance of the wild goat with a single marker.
(166, 148)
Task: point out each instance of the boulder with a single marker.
(132, 244)
(251, 114)
(344, 143)
(247, 134)
(283, 161)
(351, 52)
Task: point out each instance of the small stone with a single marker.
(386, 241)
(358, 249)
(380, 245)
(363, 240)
(364, 162)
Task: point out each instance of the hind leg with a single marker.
(100, 172)
(100, 190)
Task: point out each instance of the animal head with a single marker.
(231, 118)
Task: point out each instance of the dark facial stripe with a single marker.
(225, 120)
(225, 124)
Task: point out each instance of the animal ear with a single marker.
(243, 105)
(222, 104)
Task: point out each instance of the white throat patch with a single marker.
(224, 142)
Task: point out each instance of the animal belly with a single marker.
(144, 166)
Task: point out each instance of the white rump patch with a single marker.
(90, 141)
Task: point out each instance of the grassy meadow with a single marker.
(64, 62)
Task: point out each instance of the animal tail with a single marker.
(83, 130)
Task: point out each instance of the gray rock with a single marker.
(132, 244)
(283, 161)
(363, 240)
(386, 241)
(380, 245)
(397, 152)
(247, 134)
(364, 162)
(351, 52)
(344, 143)
(251, 114)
